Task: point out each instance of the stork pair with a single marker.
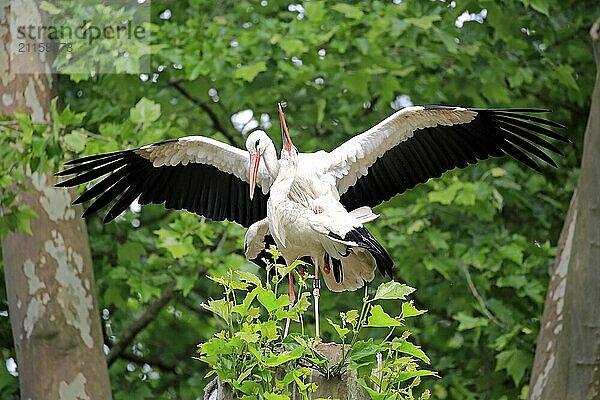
(306, 219)
(313, 204)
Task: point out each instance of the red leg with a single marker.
(292, 293)
(316, 295)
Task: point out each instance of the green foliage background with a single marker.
(477, 243)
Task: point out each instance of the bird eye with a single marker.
(257, 142)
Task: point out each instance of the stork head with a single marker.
(288, 146)
(256, 144)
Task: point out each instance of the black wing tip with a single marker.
(536, 167)
(363, 238)
(109, 218)
(63, 184)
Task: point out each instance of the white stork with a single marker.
(218, 181)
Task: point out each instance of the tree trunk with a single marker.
(346, 387)
(49, 275)
(567, 358)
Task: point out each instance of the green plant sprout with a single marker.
(253, 357)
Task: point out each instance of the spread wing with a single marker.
(194, 173)
(422, 142)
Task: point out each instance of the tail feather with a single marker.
(364, 214)
(361, 237)
(350, 272)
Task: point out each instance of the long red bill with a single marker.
(285, 134)
(254, 163)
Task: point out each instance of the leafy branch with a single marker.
(141, 322)
(216, 123)
(253, 357)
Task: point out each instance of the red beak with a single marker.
(285, 134)
(254, 163)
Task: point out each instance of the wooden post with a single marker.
(344, 388)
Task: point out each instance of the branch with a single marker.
(480, 299)
(139, 324)
(216, 124)
(150, 361)
(547, 100)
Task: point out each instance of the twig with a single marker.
(480, 299)
(554, 102)
(150, 361)
(204, 106)
(94, 135)
(137, 325)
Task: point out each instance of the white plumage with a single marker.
(303, 201)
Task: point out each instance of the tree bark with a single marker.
(49, 275)
(567, 358)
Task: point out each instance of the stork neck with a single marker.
(286, 175)
(271, 161)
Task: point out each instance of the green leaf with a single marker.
(466, 196)
(219, 307)
(25, 126)
(513, 252)
(406, 375)
(299, 307)
(393, 291)
(249, 72)
(373, 394)
(321, 105)
(541, 6)
(75, 141)
(292, 47)
(380, 319)
(564, 74)
(50, 8)
(249, 277)
(348, 10)
(362, 349)
(342, 332)
(445, 196)
(409, 310)
(242, 309)
(145, 111)
(515, 362)
(425, 22)
(271, 302)
(438, 239)
(248, 337)
(186, 282)
(284, 270)
(130, 252)
(274, 396)
(176, 245)
(350, 317)
(406, 347)
(269, 330)
(284, 357)
(292, 375)
(67, 117)
(24, 215)
(315, 10)
(515, 281)
(467, 322)
(358, 83)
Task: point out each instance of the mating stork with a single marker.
(304, 197)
